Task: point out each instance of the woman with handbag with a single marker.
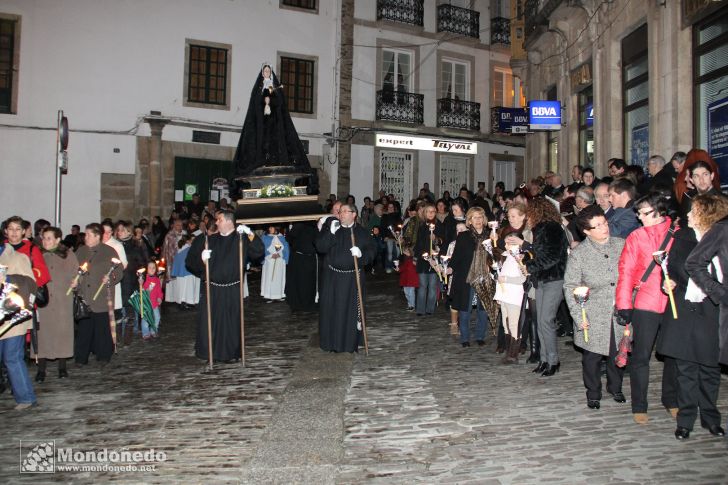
(546, 263)
(692, 338)
(94, 333)
(644, 309)
(593, 264)
(55, 337)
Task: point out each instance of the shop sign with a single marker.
(510, 120)
(544, 115)
(589, 111)
(581, 76)
(640, 145)
(718, 136)
(385, 140)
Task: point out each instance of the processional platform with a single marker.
(256, 208)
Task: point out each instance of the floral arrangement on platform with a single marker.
(277, 190)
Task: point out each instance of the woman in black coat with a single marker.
(546, 263)
(427, 242)
(458, 208)
(712, 247)
(467, 246)
(692, 338)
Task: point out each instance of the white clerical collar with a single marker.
(225, 234)
(350, 225)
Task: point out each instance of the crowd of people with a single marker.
(543, 260)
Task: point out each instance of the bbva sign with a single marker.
(544, 115)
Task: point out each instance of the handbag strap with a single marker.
(665, 242)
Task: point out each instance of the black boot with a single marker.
(502, 340)
(551, 370)
(62, 372)
(41, 374)
(535, 344)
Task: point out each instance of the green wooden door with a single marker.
(200, 172)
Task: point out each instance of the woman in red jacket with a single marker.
(649, 304)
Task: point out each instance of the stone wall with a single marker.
(117, 196)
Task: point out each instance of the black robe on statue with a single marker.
(269, 140)
(224, 292)
(302, 269)
(338, 315)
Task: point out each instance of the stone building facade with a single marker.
(633, 78)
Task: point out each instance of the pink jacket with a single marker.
(154, 286)
(636, 257)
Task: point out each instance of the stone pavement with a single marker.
(419, 409)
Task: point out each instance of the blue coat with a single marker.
(623, 222)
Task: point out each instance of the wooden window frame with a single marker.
(189, 45)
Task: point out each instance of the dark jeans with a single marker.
(645, 326)
(426, 293)
(94, 335)
(480, 323)
(697, 387)
(591, 372)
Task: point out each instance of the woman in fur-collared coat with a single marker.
(55, 336)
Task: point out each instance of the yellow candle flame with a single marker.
(17, 300)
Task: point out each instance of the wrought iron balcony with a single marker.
(405, 11)
(458, 20)
(500, 31)
(453, 113)
(400, 106)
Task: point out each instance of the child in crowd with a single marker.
(273, 277)
(154, 287)
(408, 278)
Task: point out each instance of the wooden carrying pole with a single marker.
(242, 300)
(358, 291)
(209, 308)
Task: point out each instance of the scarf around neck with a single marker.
(479, 268)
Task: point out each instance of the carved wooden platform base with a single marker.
(277, 210)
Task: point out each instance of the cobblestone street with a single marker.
(419, 409)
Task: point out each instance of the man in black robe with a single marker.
(339, 315)
(302, 281)
(224, 260)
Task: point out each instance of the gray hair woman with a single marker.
(593, 264)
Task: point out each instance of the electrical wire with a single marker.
(571, 44)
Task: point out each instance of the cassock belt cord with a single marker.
(358, 313)
(225, 285)
(316, 298)
(337, 270)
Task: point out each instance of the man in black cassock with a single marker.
(339, 317)
(302, 281)
(224, 259)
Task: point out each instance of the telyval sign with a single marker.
(431, 144)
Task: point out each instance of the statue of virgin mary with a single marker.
(269, 138)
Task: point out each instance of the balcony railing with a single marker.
(453, 113)
(500, 31)
(405, 11)
(458, 21)
(400, 107)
